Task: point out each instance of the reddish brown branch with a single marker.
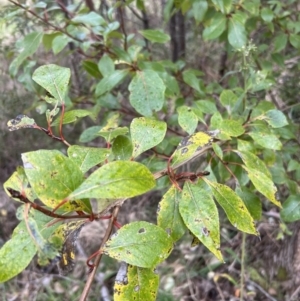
(99, 256)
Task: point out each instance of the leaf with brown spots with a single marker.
(200, 214)
(135, 284)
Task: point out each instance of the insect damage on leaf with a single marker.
(20, 122)
(192, 144)
(70, 233)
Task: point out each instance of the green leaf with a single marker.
(46, 251)
(263, 184)
(16, 254)
(110, 134)
(107, 83)
(20, 122)
(90, 19)
(216, 27)
(168, 216)
(252, 161)
(199, 10)
(189, 145)
(191, 79)
(134, 283)
(266, 140)
(139, 243)
(146, 133)
(237, 35)
(89, 134)
(218, 150)
(187, 119)
(200, 214)
(231, 127)
(87, 157)
(280, 42)
(295, 40)
(59, 43)
(155, 36)
(147, 92)
(48, 39)
(206, 106)
(291, 209)
(276, 119)
(54, 79)
(106, 65)
(235, 209)
(29, 46)
(111, 129)
(253, 6)
(251, 201)
(17, 181)
(122, 148)
(228, 98)
(72, 116)
(53, 177)
(119, 179)
(293, 165)
(267, 14)
(91, 68)
(223, 5)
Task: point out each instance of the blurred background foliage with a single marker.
(199, 50)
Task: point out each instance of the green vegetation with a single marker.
(207, 133)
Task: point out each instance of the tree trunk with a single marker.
(177, 32)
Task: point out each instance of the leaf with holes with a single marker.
(119, 179)
(168, 216)
(187, 119)
(200, 214)
(135, 283)
(233, 206)
(139, 243)
(190, 145)
(20, 122)
(146, 133)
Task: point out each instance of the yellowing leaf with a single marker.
(263, 184)
(135, 283)
(118, 179)
(190, 145)
(200, 214)
(233, 206)
(168, 216)
(139, 243)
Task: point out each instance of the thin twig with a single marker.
(262, 290)
(99, 256)
(45, 21)
(243, 266)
